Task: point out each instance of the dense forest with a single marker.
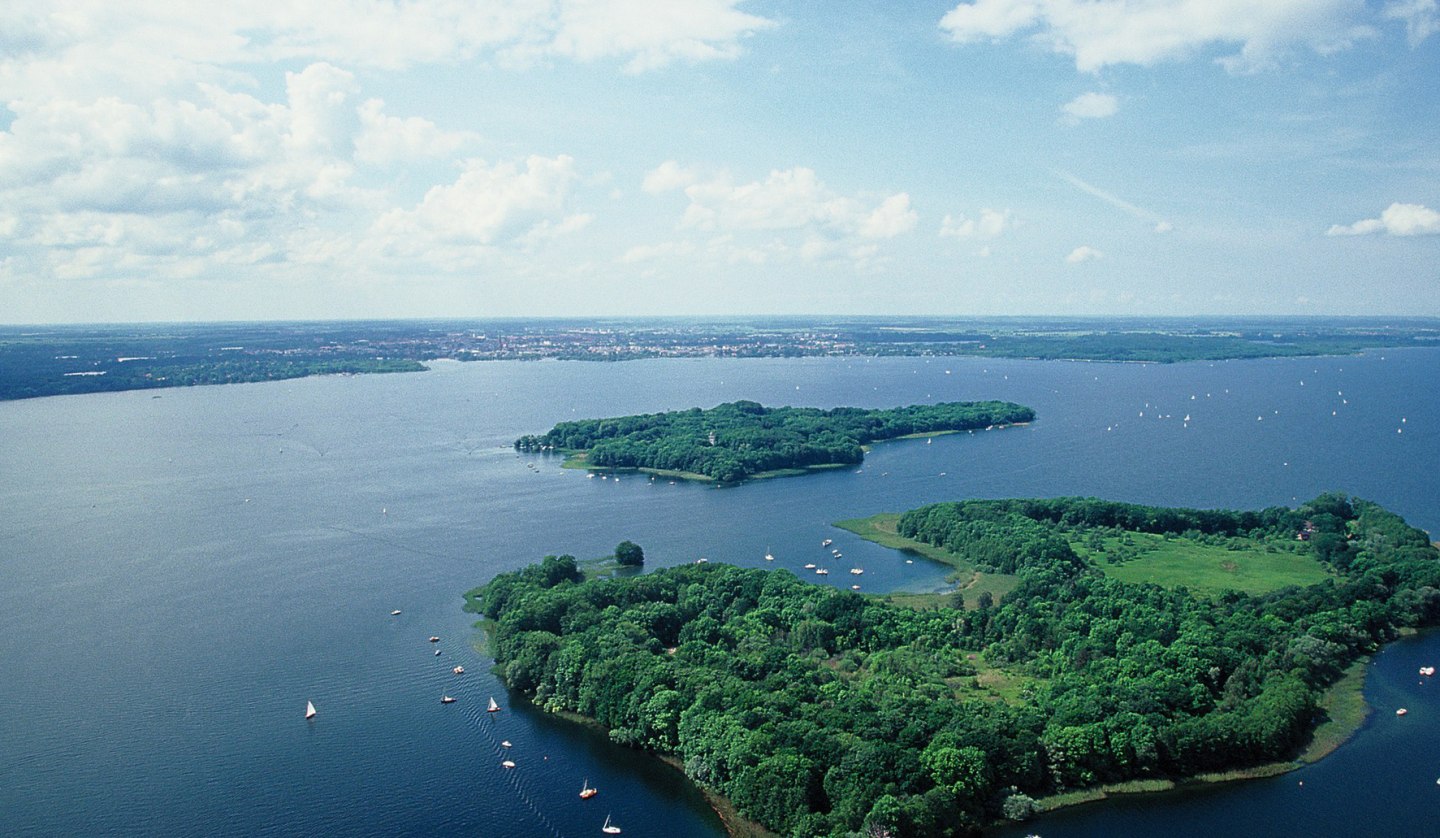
(737, 440)
(819, 711)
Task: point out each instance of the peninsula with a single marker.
(740, 440)
(819, 711)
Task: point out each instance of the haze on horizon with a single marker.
(164, 161)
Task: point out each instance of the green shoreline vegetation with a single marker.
(745, 440)
(818, 711)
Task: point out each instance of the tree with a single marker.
(629, 554)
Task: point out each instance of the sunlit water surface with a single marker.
(183, 570)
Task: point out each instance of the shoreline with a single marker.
(1343, 702)
(576, 459)
(736, 825)
(1347, 713)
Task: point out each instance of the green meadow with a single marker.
(1241, 564)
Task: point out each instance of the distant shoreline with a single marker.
(72, 360)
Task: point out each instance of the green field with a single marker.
(1243, 565)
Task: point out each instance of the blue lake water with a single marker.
(183, 570)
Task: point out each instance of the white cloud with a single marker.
(892, 218)
(156, 39)
(387, 139)
(486, 205)
(668, 176)
(791, 214)
(651, 34)
(1421, 18)
(1163, 226)
(989, 226)
(1397, 220)
(1084, 253)
(1100, 33)
(1092, 106)
(190, 165)
(793, 199)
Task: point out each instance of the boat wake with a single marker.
(514, 779)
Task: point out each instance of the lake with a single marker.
(184, 569)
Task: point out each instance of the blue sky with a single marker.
(164, 160)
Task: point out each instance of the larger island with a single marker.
(744, 439)
(819, 711)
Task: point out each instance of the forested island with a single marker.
(59, 360)
(819, 711)
(739, 440)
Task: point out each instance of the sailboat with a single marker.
(769, 557)
(445, 699)
(493, 708)
(309, 710)
(608, 828)
(586, 792)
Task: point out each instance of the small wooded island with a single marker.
(743, 439)
(819, 711)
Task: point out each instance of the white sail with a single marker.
(493, 706)
(309, 710)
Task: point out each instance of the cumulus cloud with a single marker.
(791, 213)
(159, 38)
(668, 176)
(1091, 106)
(1100, 33)
(1084, 253)
(651, 34)
(385, 139)
(989, 225)
(1397, 220)
(219, 153)
(793, 199)
(163, 187)
(487, 204)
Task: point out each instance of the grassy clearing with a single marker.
(999, 684)
(1345, 712)
(882, 529)
(1272, 769)
(1206, 569)
(1072, 798)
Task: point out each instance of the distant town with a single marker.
(58, 360)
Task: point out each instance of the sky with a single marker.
(170, 160)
